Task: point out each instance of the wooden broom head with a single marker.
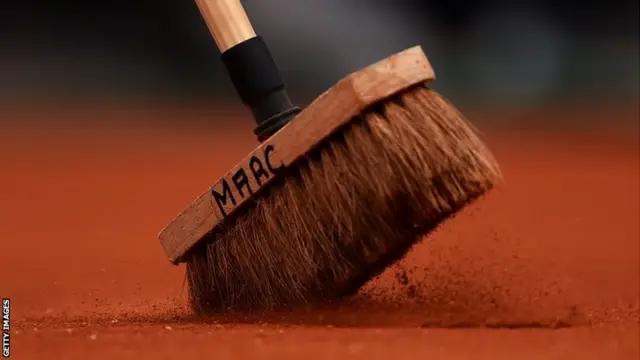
(352, 207)
(336, 196)
(208, 214)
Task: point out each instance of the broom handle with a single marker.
(249, 64)
(227, 22)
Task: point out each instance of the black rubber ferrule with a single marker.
(260, 86)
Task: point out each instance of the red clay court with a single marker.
(546, 267)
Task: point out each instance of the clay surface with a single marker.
(545, 267)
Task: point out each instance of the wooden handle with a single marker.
(227, 22)
(249, 64)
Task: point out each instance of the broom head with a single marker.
(333, 198)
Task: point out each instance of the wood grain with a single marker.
(227, 21)
(325, 115)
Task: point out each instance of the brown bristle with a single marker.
(348, 210)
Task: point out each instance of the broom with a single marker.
(333, 194)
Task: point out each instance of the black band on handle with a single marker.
(258, 82)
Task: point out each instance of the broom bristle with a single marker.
(348, 210)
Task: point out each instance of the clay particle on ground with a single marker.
(93, 336)
(168, 327)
